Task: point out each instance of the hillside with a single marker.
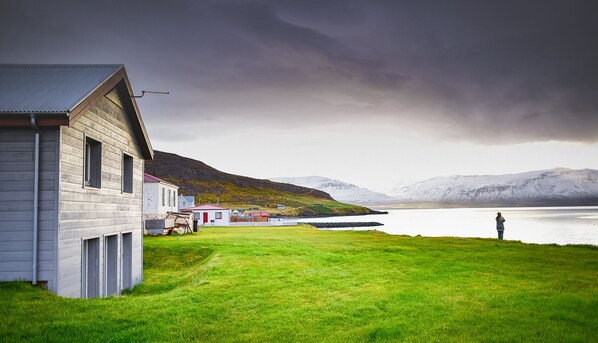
(553, 187)
(210, 185)
(339, 190)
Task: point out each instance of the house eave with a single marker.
(23, 119)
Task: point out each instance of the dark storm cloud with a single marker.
(494, 72)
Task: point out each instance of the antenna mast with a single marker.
(149, 92)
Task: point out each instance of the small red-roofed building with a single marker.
(260, 216)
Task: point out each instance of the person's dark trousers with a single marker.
(500, 234)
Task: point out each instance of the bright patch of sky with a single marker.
(369, 155)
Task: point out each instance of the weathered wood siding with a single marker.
(87, 212)
(16, 205)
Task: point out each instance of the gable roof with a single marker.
(58, 94)
(49, 88)
(150, 178)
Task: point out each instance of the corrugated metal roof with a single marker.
(44, 88)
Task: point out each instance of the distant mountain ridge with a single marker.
(339, 190)
(314, 195)
(209, 185)
(552, 187)
(196, 177)
(559, 186)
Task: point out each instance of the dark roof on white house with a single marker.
(58, 94)
(47, 88)
(152, 179)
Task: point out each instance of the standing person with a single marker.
(500, 226)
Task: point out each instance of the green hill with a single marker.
(209, 185)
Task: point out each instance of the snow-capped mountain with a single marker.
(545, 186)
(340, 191)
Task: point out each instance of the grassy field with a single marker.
(302, 285)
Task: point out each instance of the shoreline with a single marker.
(384, 210)
(537, 225)
(335, 225)
(373, 212)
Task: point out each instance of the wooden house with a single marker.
(72, 151)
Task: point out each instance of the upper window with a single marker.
(93, 163)
(169, 197)
(163, 196)
(127, 174)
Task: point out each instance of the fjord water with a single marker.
(560, 225)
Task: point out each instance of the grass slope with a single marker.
(303, 285)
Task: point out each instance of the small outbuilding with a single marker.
(260, 216)
(210, 215)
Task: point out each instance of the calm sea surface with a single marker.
(560, 225)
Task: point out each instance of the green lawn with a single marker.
(302, 285)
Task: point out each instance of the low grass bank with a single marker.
(303, 285)
(301, 206)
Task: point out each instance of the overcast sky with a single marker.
(369, 92)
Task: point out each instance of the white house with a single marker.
(210, 215)
(72, 151)
(159, 197)
(186, 201)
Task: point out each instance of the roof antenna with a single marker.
(149, 92)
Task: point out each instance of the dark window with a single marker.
(111, 264)
(93, 163)
(163, 197)
(127, 174)
(218, 215)
(90, 272)
(169, 196)
(127, 260)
